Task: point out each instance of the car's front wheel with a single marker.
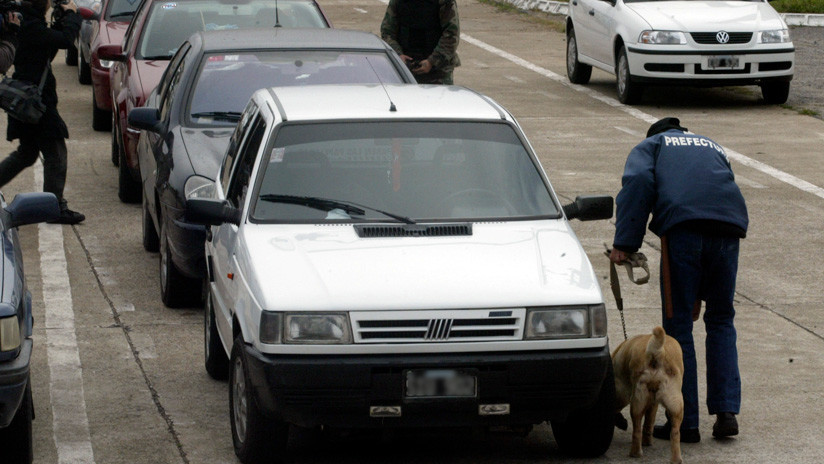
(217, 364)
(587, 433)
(128, 189)
(16, 439)
(775, 92)
(577, 72)
(84, 71)
(176, 290)
(101, 119)
(256, 438)
(629, 91)
(151, 241)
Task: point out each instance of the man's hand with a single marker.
(69, 6)
(406, 59)
(12, 18)
(617, 256)
(424, 66)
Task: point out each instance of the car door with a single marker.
(593, 23)
(239, 163)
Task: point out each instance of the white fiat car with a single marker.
(680, 42)
(387, 256)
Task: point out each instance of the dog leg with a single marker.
(649, 422)
(636, 413)
(676, 417)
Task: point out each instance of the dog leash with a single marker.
(634, 260)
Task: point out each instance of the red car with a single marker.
(108, 29)
(158, 28)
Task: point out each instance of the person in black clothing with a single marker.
(37, 46)
(8, 40)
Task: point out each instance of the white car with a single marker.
(681, 42)
(385, 256)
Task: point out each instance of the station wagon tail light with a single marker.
(9, 334)
(663, 38)
(199, 187)
(776, 36)
(566, 322)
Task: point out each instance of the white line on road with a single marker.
(648, 118)
(70, 424)
(631, 132)
(361, 10)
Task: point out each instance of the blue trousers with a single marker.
(704, 267)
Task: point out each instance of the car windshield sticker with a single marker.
(169, 6)
(277, 155)
(218, 27)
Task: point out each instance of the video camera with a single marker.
(57, 11)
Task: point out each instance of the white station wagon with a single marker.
(680, 42)
(384, 256)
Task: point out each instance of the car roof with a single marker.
(283, 37)
(391, 101)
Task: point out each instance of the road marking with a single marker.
(749, 182)
(70, 424)
(638, 114)
(361, 10)
(630, 132)
(515, 79)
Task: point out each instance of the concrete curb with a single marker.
(561, 8)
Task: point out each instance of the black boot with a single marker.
(68, 216)
(726, 425)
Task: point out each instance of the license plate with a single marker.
(723, 62)
(439, 383)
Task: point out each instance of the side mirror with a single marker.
(589, 208)
(111, 52)
(211, 212)
(88, 14)
(31, 208)
(146, 119)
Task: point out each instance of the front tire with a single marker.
(84, 71)
(577, 72)
(101, 119)
(256, 438)
(151, 241)
(775, 92)
(176, 290)
(587, 433)
(629, 91)
(128, 189)
(16, 439)
(216, 361)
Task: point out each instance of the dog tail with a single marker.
(656, 343)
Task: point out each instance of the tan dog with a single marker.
(649, 370)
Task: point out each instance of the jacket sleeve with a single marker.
(6, 55)
(389, 27)
(58, 38)
(446, 52)
(636, 199)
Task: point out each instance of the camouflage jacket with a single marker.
(445, 55)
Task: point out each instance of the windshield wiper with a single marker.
(326, 204)
(221, 115)
(122, 14)
(156, 57)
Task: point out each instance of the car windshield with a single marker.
(169, 24)
(121, 10)
(420, 171)
(226, 82)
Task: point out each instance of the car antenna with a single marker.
(392, 106)
(277, 16)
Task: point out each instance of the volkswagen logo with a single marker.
(722, 37)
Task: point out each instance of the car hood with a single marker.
(328, 267)
(114, 32)
(205, 148)
(710, 16)
(149, 73)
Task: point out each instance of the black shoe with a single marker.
(726, 425)
(687, 435)
(68, 216)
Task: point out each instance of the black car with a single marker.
(188, 119)
(16, 408)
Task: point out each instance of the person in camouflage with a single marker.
(425, 33)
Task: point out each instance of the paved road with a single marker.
(118, 378)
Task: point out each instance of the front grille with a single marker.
(459, 325)
(711, 38)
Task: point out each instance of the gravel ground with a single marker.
(807, 88)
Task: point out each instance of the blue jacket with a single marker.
(677, 177)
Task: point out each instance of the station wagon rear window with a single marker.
(419, 170)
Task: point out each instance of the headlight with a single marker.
(199, 187)
(566, 322)
(316, 328)
(777, 36)
(663, 38)
(106, 64)
(9, 334)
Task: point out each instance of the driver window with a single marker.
(165, 86)
(234, 144)
(246, 161)
(174, 80)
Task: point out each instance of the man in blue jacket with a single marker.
(686, 182)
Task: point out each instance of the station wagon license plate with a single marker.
(439, 383)
(723, 62)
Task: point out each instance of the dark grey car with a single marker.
(16, 408)
(188, 119)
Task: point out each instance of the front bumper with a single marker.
(670, 66)
(14, 375)
(338, 391)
